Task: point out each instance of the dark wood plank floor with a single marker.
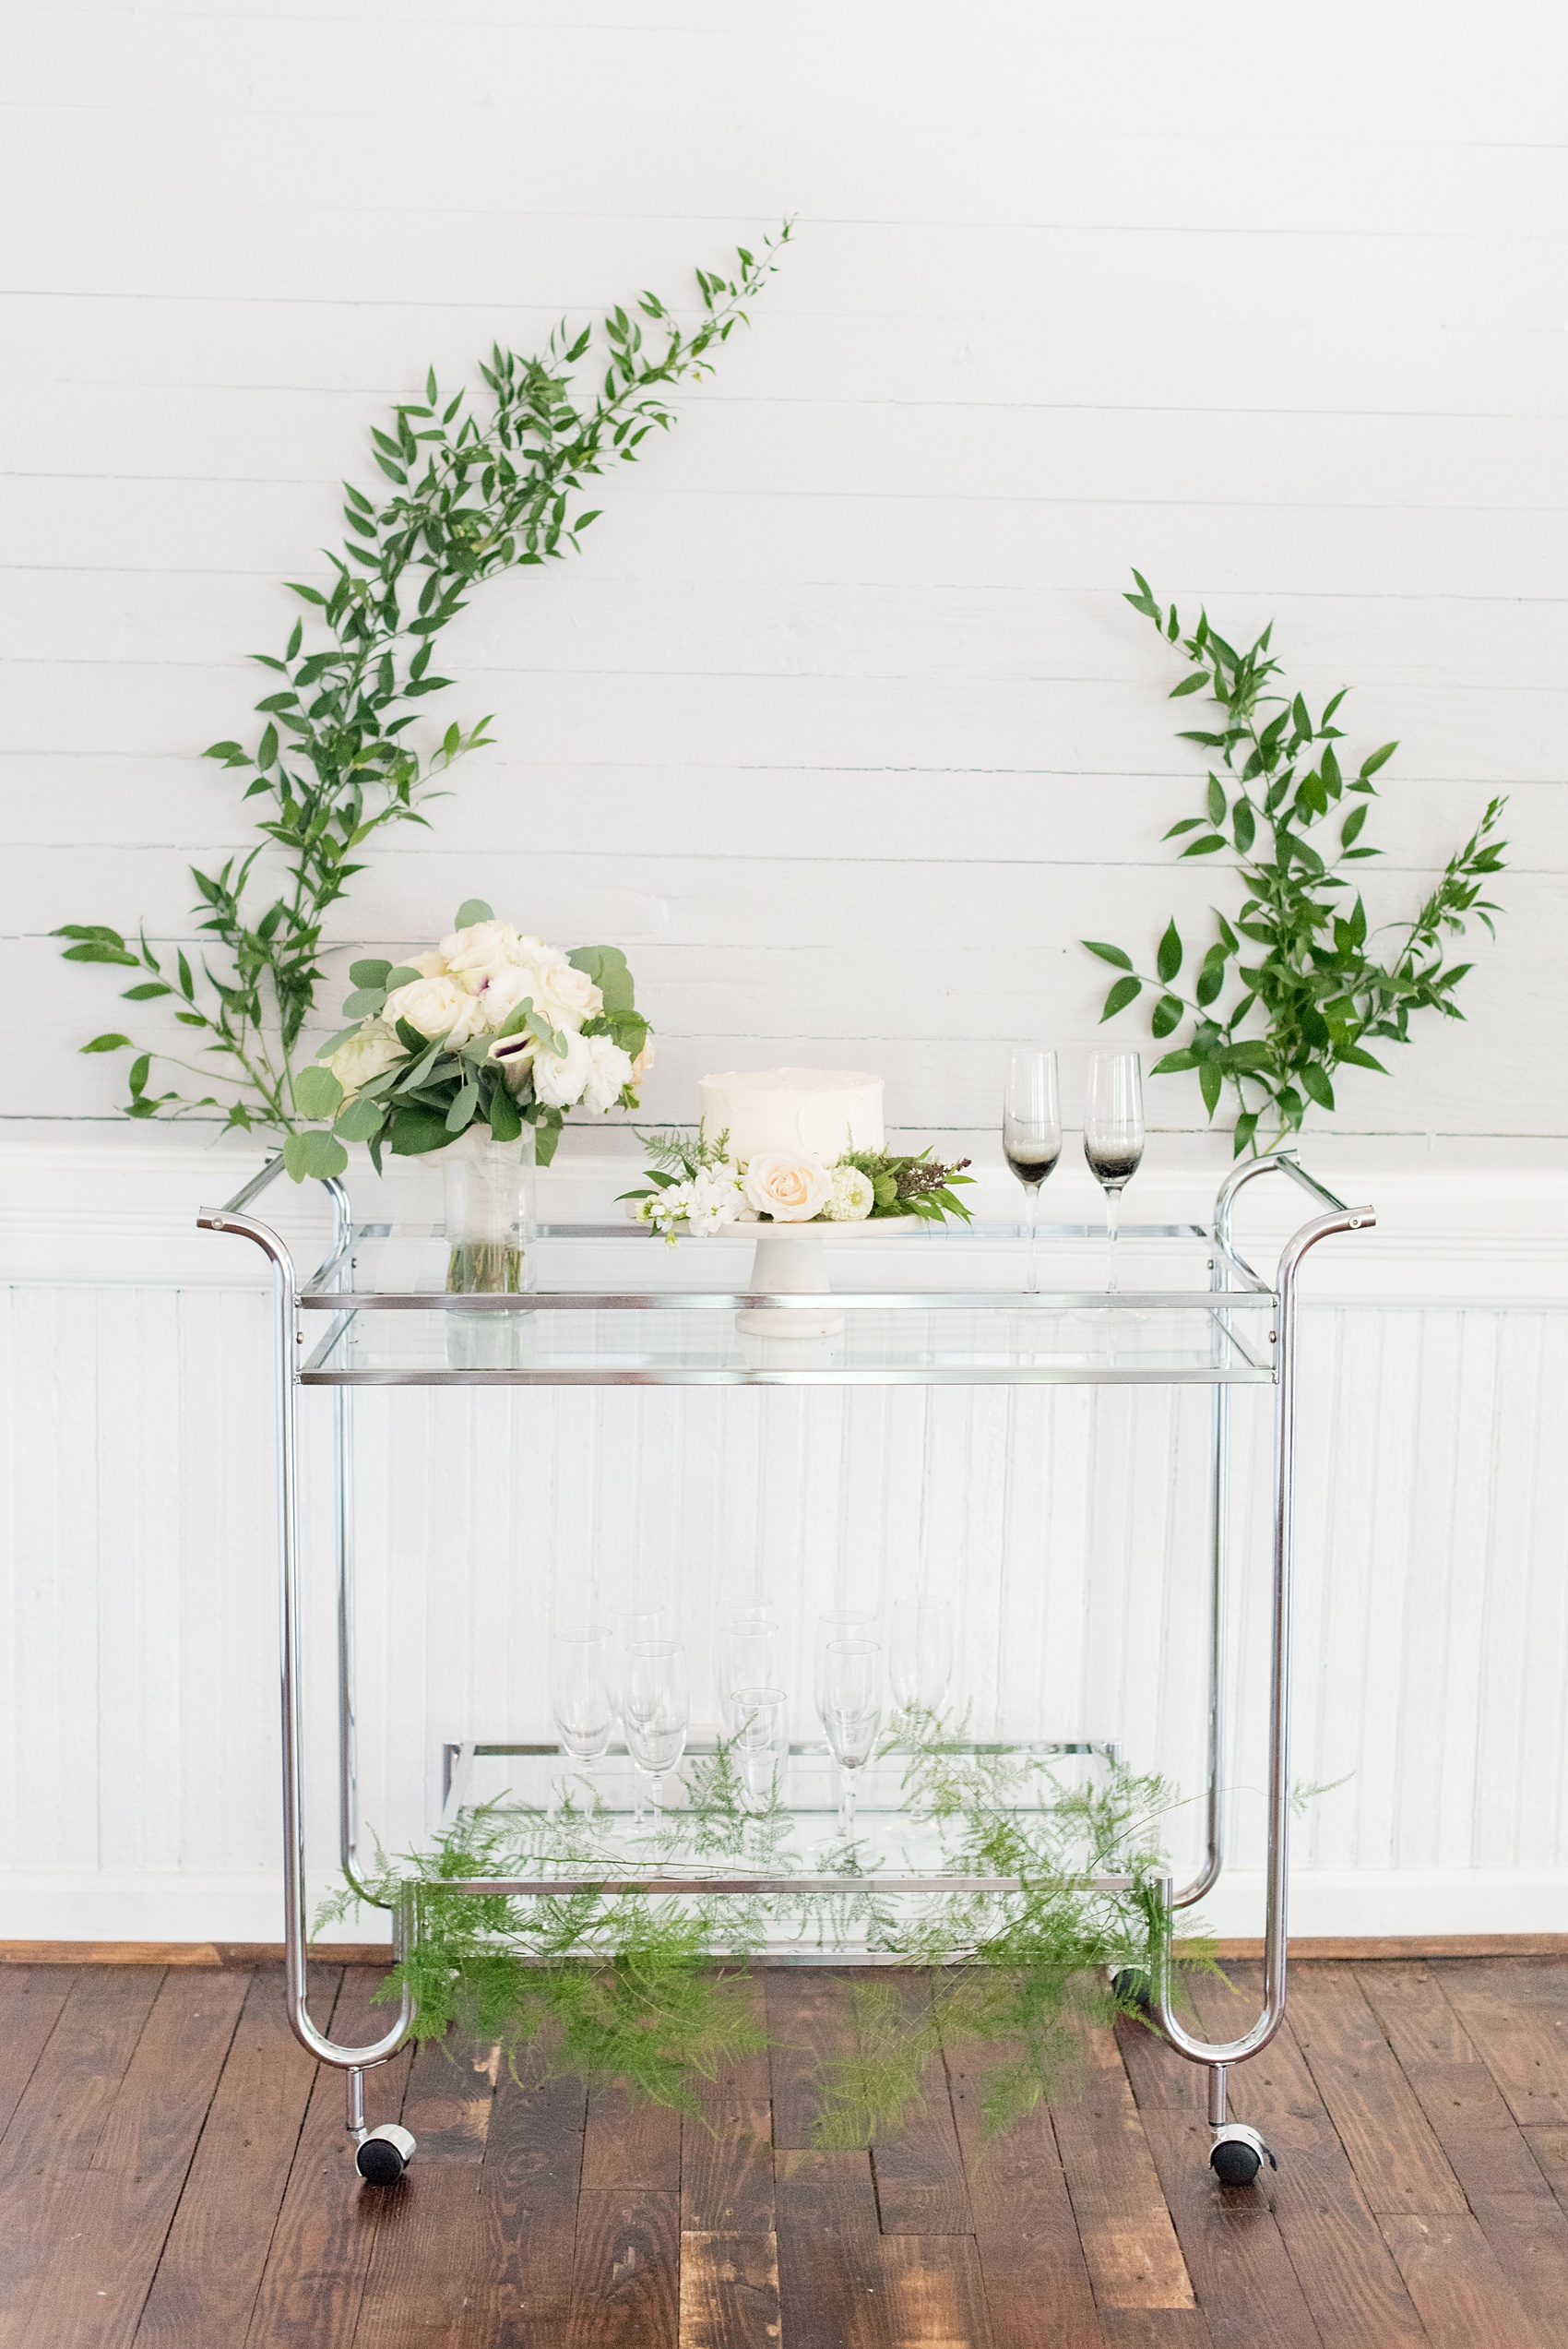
(174, 2172)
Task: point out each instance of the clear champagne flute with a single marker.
(920, 1663)
(657, 1709)
(852, 1714)
(747, 1640)
(579, 1693)
(1031, 1129)
(760, 1740)
(1113, 1131)
(627, 1625)
(842, 1622)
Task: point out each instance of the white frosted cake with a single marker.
(826, 1110)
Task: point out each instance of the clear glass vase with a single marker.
(488, 1200)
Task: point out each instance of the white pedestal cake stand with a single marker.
(789, 1262)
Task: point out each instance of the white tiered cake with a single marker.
(823, 1111)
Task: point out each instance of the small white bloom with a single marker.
(435, 1006)
(560, 1083)
(852, 1197)
(792, 1186)
(368, 1053)
(612, 1069)
(503, 990)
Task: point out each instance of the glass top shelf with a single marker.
(935, 1306)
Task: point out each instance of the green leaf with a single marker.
(1205, 847)
(111, 1041)
(415, 1131)
(1359, 1059)
(402, 974)
(1352, 825)
(607, 967)
(316, 1092)
(358, 1119)
(1167, 961)
(1120, 995)
(1189, 685)
(505, 1123)
(369, 974)
(1108, 953)
(1211, 1083)
(1167, 1015)
(1243, 825)
(472, 910)
(1314, 1080)
(1378, 758)
(267, 749)
(364, 1002)
(140, 1070)
(314, 1152)
(1216, 801)
(145, 992)
(460, 1116)
(1175, 1063)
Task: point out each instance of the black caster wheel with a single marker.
(1238, 2155)
(1131, 1988)
(382, 2155)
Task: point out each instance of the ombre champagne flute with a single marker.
(1031, 1129)
(1113, 1133)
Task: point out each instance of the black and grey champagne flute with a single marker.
(1113, 1131)
(1032, 1129)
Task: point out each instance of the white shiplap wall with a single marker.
(841, 726)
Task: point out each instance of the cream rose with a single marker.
(360, 1058)
(612, 1069)
(643, 1062)
(483, 947)
(429, 966)
(560, 1084)
(791, 1190)
(564, 996)
(436, 1007)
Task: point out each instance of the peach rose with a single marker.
(791, 1190)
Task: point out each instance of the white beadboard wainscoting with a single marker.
(140, 1792)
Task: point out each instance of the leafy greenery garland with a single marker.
(647, 1988)
(1317, 983)
(471, 497)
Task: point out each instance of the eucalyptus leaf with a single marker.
(316, 1092)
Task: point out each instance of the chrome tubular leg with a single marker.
(353, 2097)
(1236, 2156)
(1218, 2112)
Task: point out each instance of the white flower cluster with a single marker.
(704, 1203)
(786, 1188)
(468, 988)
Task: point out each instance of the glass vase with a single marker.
(488, 1202)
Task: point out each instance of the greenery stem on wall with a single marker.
(470, 497)
(1308, 983)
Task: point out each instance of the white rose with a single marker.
(429, 966)
(853, 1195)
(565, 998)
(790, 1189)
(483, 947)
(612, 1069)
(360, 1058)
(502, 991)
(436, 1006)
(560, 1084)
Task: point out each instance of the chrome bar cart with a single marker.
(1207, 1319)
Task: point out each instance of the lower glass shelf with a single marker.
(949, 1844)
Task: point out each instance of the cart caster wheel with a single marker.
(383, 2156)
(1238, 2155)
(1132, 1987)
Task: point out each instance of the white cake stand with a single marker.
(789, 1262)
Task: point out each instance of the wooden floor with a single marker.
(172, 2172)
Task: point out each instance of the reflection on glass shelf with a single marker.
(700, 1345)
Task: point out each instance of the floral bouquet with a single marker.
(696, 1186)
(489, 1031)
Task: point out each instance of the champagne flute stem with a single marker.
(846, 1802)
(1034, 1225)
(1112, 1218)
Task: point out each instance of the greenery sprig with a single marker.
(472, 496)
(1311, 984)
